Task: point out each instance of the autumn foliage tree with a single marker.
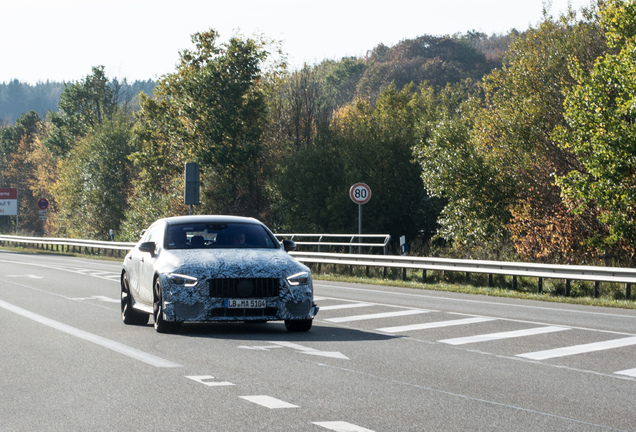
(601, 132)
(498, 156)
(211, 110)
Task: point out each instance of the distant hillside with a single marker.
(17, 98)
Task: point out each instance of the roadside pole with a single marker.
(360, 193)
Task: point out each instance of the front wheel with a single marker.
(128, 314)
(298, 325)
(161, 326)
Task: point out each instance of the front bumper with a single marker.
(195, 304)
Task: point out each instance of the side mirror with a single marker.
(289, 245)
(148, 247)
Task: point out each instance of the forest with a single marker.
(517, 146)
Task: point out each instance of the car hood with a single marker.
(229, 263)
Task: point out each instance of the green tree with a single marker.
(83, 106)
(28, 166)
(366, 142)
(436, 60)
(95, 180)
(211, 110)
(500, 180)
(601, 119)
(27, 128)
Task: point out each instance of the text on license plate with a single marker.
(245, 303)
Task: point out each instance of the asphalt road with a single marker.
(377, 359)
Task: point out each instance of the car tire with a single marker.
(161, 326)
(128, 314)
(298, 325)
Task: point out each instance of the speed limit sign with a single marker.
(360, 193)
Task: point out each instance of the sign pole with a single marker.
(359, 226)
(360, 193)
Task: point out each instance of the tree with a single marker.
(368, 142)
(95, 180)
(211, 110)
(83, 106)
(498, 159)
(26, 127)
(28, 166)
(426, 59)
(601, 132)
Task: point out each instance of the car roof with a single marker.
(177, 220)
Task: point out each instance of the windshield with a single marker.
(214, 235)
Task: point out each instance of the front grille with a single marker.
(244, 288)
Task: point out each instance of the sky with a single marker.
(61, 40)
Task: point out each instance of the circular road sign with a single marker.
(360, 193)
(43, 204)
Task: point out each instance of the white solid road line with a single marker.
(437, 324)
(503, 335)
(378, 315)
(579, 349)
(106, 343)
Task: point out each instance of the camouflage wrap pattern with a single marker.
(184, 303)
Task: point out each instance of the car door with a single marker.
(133, 267)
(147, 263)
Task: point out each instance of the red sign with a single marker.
(8, 194)
(43, 204)
(8, 202)
(360, 193)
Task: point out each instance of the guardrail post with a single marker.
(514, 283)
(540, 285)
(568, 286)
(490, 284)
(628, 291)
(404, 273)
(597, 289)
(424, 276)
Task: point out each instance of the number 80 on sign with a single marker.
(360, 193)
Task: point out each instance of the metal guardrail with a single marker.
(548, 271)
(567, 273)
(70, 245)
(346, 240)
(540, 271)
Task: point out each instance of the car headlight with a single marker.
(301, 278)
(185, 280)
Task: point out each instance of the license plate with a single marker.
(245, 303)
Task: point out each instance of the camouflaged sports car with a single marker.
(214, 268)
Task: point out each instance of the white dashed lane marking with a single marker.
(503, 335)
(269, 402)
(340, 426)
(437, 324)
(208, 381)
(345, 306)
(579, 349)
(378, 315)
